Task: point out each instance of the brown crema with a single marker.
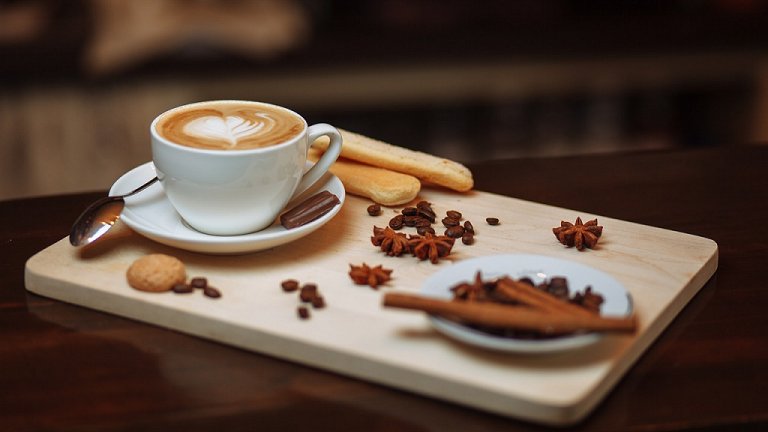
(229, 125)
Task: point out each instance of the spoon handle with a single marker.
(141, 188)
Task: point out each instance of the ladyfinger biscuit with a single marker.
(427, 167)
(378, 184)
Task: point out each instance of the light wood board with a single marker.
(355, 336)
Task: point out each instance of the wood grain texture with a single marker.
(70, 368)
(661, 269)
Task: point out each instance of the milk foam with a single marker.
(230, 129)
(229, 125)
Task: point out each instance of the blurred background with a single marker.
(80, 80)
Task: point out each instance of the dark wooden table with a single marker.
(64, 367)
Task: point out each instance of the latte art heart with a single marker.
(229, 125)
(231, 129)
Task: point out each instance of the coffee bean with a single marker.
(422, 222)
(492, 221)
(396, 222)
(303, 312)
(182, 288)
(425, 211)
(410, 211)
(468, 238)
(199, 282)
(211, 292)
(374, 209)
(455, 231)
(290, 285)
(308, 292)
(453, 214)
(428, 217)
(449, 222)
(424, 230)
(410, 221)
(318, 302)
(468, 227)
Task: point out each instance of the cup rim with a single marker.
(220, 152)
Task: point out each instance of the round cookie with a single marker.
(156, 273)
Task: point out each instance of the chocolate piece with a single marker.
(310, 209)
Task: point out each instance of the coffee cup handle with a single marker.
(326, 160)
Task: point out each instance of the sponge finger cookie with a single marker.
(381, 185)
(427, 167)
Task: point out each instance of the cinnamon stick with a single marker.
(513, 317)
(532, 296)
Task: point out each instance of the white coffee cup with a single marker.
(220, 188)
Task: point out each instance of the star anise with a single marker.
(430, 246)
(579, 234)
(391, 242)
(371, 276)
(471, 291)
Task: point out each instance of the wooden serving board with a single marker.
(355, 336)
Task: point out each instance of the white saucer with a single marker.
(150, 214)
(617, 302)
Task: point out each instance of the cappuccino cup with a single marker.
(229, 167)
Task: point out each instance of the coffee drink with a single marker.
(229, 125)
(230, 167)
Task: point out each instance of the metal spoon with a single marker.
(100, 216)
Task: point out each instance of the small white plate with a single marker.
(150, 214)
(617, 301)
